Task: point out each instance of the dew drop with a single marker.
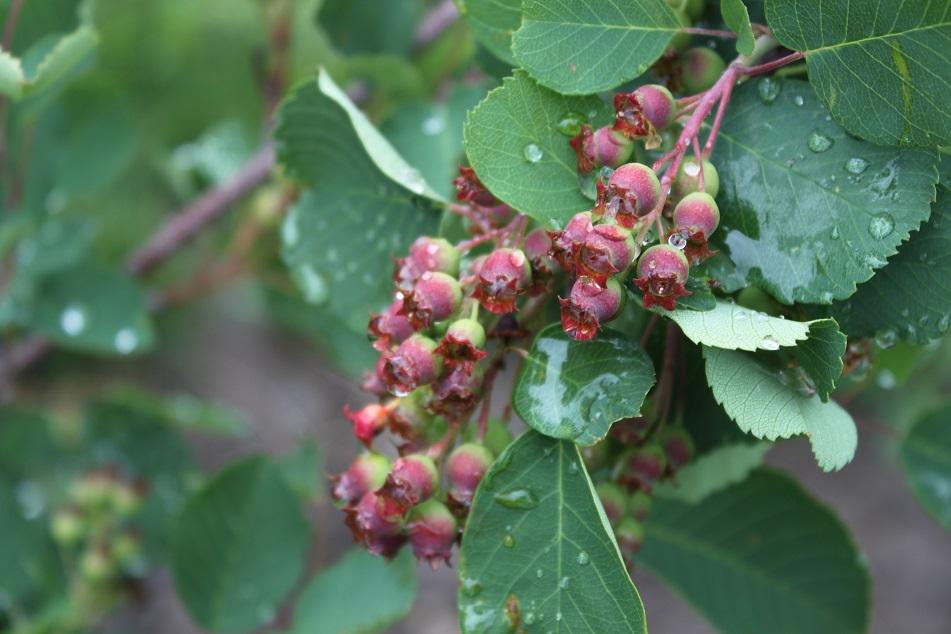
(886, 379)
(740, 314)
(835, 233)
(570, 123)
(583, 558)
(761, 317)
(32, 499)
(532, 153)
(558, 616)
(678, 241)
(874, 261)
(886, 339)
(471, 587)
(530, 618)
(266, 613)
(819, 142)
(73, 320)
(433, 125)
(290, 231)
(564, 582)
(826, 297)
(606, 173)
(126, 341)
(881, 226)
(508, 541)
(856, 165)
(769, 343)
(312, 284)
(944, 323)
(768, 89)
(517, 499)
(798, 100)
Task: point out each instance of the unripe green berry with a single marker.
(68, 526)
(97, 566)
(701, 67)
(639, 505)
(687, 180)
(613, 500)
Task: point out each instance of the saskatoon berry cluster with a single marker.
(457, 310)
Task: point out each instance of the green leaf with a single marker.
(734, 327)
(926, 457)
(807, 210)
(302, 467)
(429, 135)
(11, 75)
(879, 65)
(344, 231)
(577, 389)
(368, 27)
(911, 297)
(323, 137)
(239, 546)
(70, 54)
(586, 46)
(737, 18)
(820, 356)
(184, 411)
(493, 22)
(552, 555)
(759, 402)
(26, 443)
(93, 308)
(713, 472)
(761, 556)
(360, 593)
(513, 143)
(29, 561)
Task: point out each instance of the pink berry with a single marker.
(366, 473)
(607, 250)
(465, 468)
(377, 523)
(412, 480)
(432, 532)
(565, 244)
(642, 112)
(589, 305)
(391, 326)
(697, 213)
(611, 148)
(661, 273)
(701, 68)
(678, 446)
(613, 499)
(503, 276)
(436, 296)
(367, 421)
(632, 192)
(426, 254)
(456, 393)
(583, 145)
(463, 343)
(411, 365)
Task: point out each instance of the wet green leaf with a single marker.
(493, 22)
(577, 389)
(926, 457)
(713, 471)
(737, 18)
(551, 563)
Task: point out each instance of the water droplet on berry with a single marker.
(74, 320)
(605, 173)
(312, 284)
(433, 125)
(570, 123)
(769, 343)
(532, 153)
(798, 100)
(583, 558)
(508, 541)
(768, 89)
(126, 341)
(678, 241)
(517, 499)
(881, 226)
(856, 165)
(819, 142)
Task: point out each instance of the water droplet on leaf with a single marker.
(73, 320)
(126, 341)
(433, 125)
(856, 165)
(471, 587)
(768, 89)
(583, 558)
(886, 339)
(570, 123)
(508, 541)
(798, 100)
(769, 343)
(532, 153)
(819, 142)
(881, 226)
(517, 499)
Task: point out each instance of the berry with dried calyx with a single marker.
(588, 305)
(463, 343)
(537, 248)
(661, 273)
(611, 148)
(644, 111)
(695, 218)
(426, 254)
(377, 523)
(701, 67)
(607, 250)
(367, 422)
(373, 381)
(639, 505)
(456, 393)
(470, 189)
(583, 145)
(465, 468)
(412, 480)
(502, 277)
(432, 530)
(678, 446)
(613, 500)
(410, 418)
(630, 431)
(566, 243)
(366, 473)
(412, 364)
(688, 179)
(638, 468)
(436, 296)
(632, 192)
(390, 327)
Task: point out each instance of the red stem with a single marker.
(712, 32)
(759, 69)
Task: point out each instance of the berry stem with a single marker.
(729, 35)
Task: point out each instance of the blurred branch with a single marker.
(436, 22)
(10, 24)
(178, 231)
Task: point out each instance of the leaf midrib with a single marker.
(872, 38)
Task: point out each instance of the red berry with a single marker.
(411, 365)
(611, 148)
(366, 473)
(436, 296)
(456, 393)
(697, 213)
(426, 254)
(632, 192)
(565, 244)
(613, 499)
(465, 468)
(607, 250)
(432, 532)
(640, 467)
(391, 326)
(367, 421)
(642, 112)
(463, 343)
(661, 273)
(589, 305)
(412, 480)
(470, 189)
(503, 275)
(377, 523)
(678, 446)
